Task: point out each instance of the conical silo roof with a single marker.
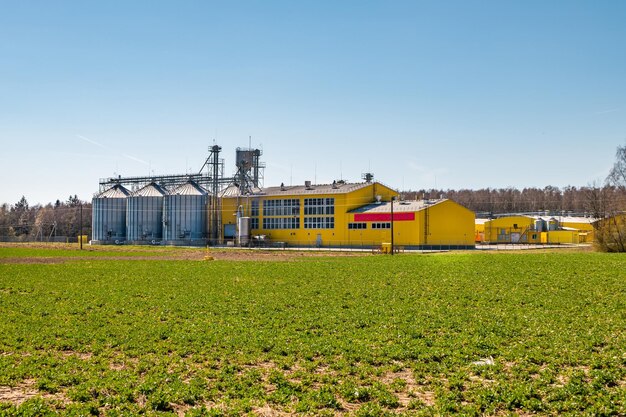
(189, 188)
(231, 191)
(150, 190)
(117, 191)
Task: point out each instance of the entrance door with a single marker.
(229, 231)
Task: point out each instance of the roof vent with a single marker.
(282, 186)
(378, 198)
(307, 185)
(334, 185)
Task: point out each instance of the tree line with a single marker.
(54, 221)
(485, 201)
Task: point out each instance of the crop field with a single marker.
(128, 331)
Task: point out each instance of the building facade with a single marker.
(345, 215)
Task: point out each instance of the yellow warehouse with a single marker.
(511, 229)
(583, 224)
(345, 215)
(423, 224)
(560, 236)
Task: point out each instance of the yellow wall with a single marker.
(586, 228)
(502, 229)
(309, 237)
(449, 223)
(559, 236)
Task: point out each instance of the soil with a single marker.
(25, 391)
(165, 254)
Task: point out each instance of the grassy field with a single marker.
(137, 332)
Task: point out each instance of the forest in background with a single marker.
(58, 221)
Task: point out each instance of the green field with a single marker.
(446, 334)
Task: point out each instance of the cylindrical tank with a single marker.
(144, 214)
(243, 231)
(553, 224)
(184, 214)
(244, 158)
(108, 221)
(540, 225)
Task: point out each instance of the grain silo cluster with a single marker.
(151, 215)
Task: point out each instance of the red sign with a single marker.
(383, 217)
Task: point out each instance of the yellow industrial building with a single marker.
(344, 215)
(583, 224)
(510, 229)
(534, 229)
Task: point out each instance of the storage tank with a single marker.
(144, 214)
(108, 221)
(243, 231)
(244, 158)
(185, 214)
(540, 225)
(553, 224)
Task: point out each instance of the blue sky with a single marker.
(424, 94)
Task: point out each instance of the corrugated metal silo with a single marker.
(144, 214)
(108, 219)
(185, 214)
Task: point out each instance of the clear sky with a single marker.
(423, 94)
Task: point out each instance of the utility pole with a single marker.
(392, 225)
(80, 237)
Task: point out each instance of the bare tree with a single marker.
(610, 205)
(617, 176)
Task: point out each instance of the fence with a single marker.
(33, 239)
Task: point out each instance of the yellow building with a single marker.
(583, 224)
(535, 229)
(567, 236)
(417, 224)
(345, 215)
(511, 229)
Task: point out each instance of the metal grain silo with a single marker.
(108, 219)
(185, 214)
(144, 214)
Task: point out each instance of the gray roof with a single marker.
(398, 206)
(567, 219)
(188, 188)
(117, 191)
(314, 189)
(150, 190)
